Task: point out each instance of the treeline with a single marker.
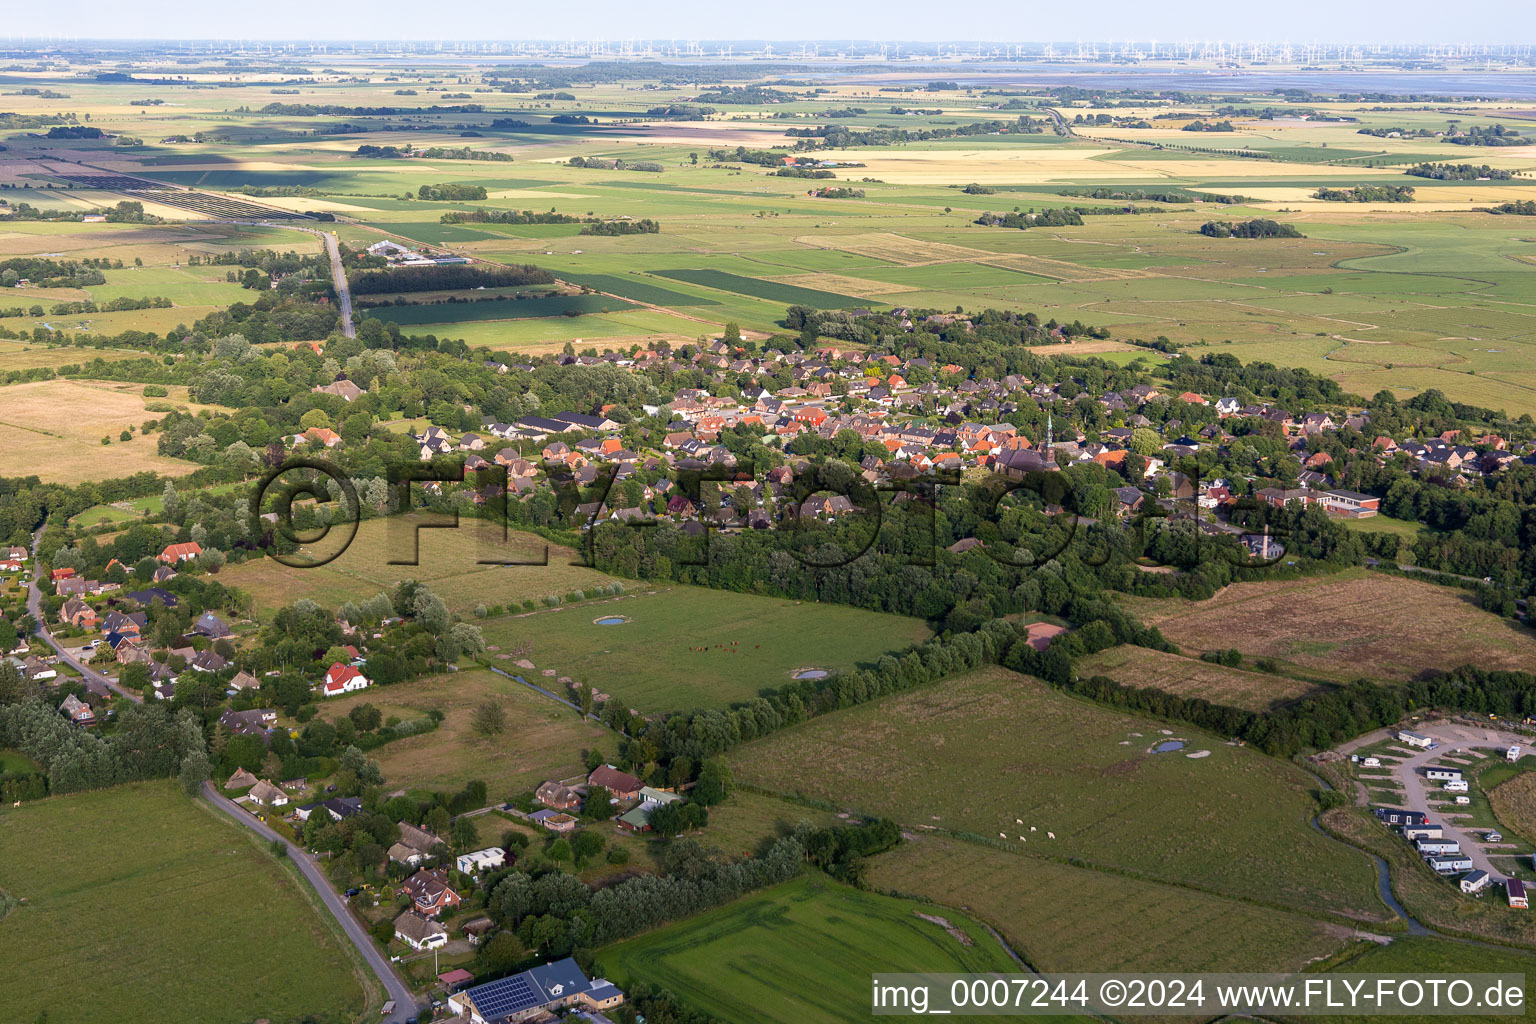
(1366, 194)
(124, 212)
(453, 191)
(1209, 126)
(805, 172)
(1042, 219)
(1151, 196)
(448, 277)
(644, 226)
(1458, 172)
(465, 153)
(844, 137)
(507, 217)
(1259, 227)
(338, 110)
(147, 743)
(1520, 208)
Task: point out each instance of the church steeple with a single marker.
(1049, 454)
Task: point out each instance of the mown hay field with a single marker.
(136, 899)
(994, 753)
(1056, 915)
(1352, 624)
(1190, 677)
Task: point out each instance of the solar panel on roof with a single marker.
(500, 998)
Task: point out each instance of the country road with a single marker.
(338, 274)
(394, 985)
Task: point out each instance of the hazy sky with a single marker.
(1498, 21)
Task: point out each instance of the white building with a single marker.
(1456, 786)
(420, 932)
(1475, 882)
(1414, 739)
(481, 860)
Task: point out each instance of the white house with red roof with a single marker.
(340, 679)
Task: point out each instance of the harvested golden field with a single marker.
(1514, 803)
(26, 355)
(55, 429)
(1056, 915)
(1190, 677)
(840, 284)
(1352, 624)
(543, 739)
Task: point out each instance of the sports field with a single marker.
(689, 647)
(996, 754)
(1353, 624)
(803, 951)
(135, 899)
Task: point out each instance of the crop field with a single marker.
(785, 293)
(447, 561)
(996, 754)
(1055, 916)
(1189, 677)
(800, 952)
(1345, 626)
(637, 289)
(497, 309)
(56, 428)
(543, 740)
(236, 940)
(688, 647)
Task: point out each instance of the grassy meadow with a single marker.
(689, 647)
(800, 952)
(135, 898)
(56, 429)
(1000, 756)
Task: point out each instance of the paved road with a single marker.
(339, 280)
(405, 1002)
(1416, 788)
(94, 681)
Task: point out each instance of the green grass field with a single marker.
(689, 647)
(447, 561)
(995, 752)
(1057, 915)
(1423, 955)
(136, 899)
(543, 740)
(800, 952)
(497, 309)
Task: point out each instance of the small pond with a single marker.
(1167, 746)
(612, 620)
(812, 673)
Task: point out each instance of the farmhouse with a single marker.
(77, 711)
(622, 785)
(420, 932)
(543, 989)
(174, 553)
(341, 679)
(415, 845)
(553, 794)
(429, 892)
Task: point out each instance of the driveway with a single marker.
(1416, 788)
(405, 1002)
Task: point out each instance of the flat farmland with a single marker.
(1423, 956)
(1345, 626)
(985, 752)
(543, 740)
(800, 953)
(689, 647)
(55, 429)
(1055, 915)
(448, 313)
(447, 561)
(1189, 677)
(170, 905)
(29, 355)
